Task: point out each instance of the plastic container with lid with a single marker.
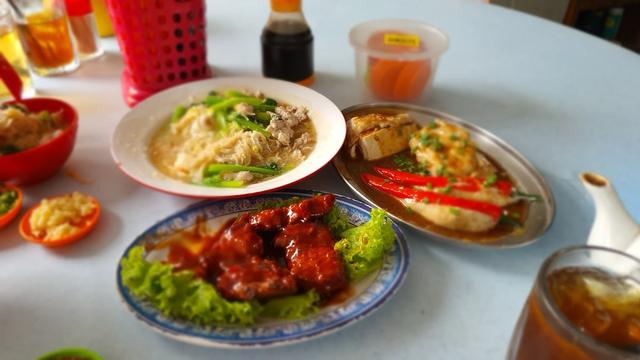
(397, 59)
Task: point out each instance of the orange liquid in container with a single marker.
(397, 80)
(46, 40)
(602, 306)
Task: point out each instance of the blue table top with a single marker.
(566, 100)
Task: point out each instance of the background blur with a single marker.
(614, 20)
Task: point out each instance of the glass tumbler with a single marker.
(12, 51)
(584, 305)
(44, 32)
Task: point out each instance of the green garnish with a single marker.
(530, 197)
(218, 181)
(292, 307)
(454, 137)
(337, 221)
(212, 100)
(221, 120)
(445, 190)
(454, 211)
(436, 144)
(181, 294)
(508, 220)
(45, 116)
(270, 102)
(262, 117)
(490, 180)
(432, 124)
(425, 139)
(407, 164)
(178, 113)
(247, 124)
(8, 198)
(215, 169)
(442, 171)
(362, 248)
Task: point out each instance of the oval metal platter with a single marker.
(524, 175)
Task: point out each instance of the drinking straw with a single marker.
(15, 8)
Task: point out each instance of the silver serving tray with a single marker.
(522, 172)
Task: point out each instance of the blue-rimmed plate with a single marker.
(368, 294)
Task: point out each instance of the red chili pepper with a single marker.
(464, 184)
(404, 192)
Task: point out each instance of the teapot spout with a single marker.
(613, 227)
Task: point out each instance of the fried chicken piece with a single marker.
(237, 243)
(311, 258)
(256, 279)
(305, 210)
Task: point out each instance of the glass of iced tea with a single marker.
(12, 51)
(44, 32)
(585, 304)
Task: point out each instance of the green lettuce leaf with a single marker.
(181, 294)
(363, 247)
(292, 307)
(337, 221)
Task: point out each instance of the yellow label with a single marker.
(407, 40)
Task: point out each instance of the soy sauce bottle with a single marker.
(287, 44)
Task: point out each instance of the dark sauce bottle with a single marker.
(287, 44)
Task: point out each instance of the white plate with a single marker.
(133, 133)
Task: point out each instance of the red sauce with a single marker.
(340, 297)
(267, 254)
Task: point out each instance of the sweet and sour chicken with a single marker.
(275, 252)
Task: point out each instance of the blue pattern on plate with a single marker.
(270, 333)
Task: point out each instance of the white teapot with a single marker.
(613, 227)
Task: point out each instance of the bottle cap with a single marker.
(78, 7)
(285, 5)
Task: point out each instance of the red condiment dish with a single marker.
(43, 161)
(6, 218)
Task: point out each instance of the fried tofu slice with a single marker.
(377, 135)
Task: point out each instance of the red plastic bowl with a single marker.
(43, 161)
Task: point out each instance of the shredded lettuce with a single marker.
(292, 307)
(337, 221)
(363, 247)
(181, 294)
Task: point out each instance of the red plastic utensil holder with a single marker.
(163, 43)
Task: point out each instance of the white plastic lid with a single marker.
(421, 40)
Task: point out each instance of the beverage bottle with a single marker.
(287, 44)
(83, 27)
(105, 29)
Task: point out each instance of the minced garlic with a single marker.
(54, 218)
